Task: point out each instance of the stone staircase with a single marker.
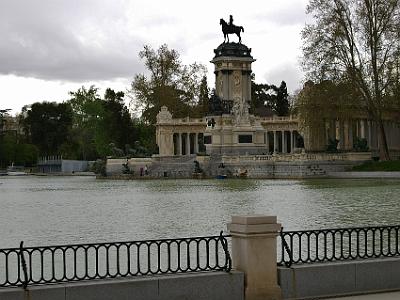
(173, 167)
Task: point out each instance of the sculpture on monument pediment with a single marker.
(164, 116)
(245, 112)
(240, 110)
(237, 85)
(221, 86)
(237, 111)
(230, 28)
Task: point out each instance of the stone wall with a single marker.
(339, 278)
(199, 286)
(255, 166)
(115, 165)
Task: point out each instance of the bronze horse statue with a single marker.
(230, 29)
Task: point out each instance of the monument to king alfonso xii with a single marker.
(231, 141)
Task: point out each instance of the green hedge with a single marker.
(389, 166)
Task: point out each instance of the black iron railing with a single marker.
(53, 264)
(338, 244)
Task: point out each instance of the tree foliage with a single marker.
(168, 83)
(47, 125)
(100, 124)
(323, 102)
(357, 41)
(265, 96)
(326, 100)
(87, 139)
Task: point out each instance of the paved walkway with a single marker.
(381, 296)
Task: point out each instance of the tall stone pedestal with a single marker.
(254, 253)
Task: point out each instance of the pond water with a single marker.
(63, 210)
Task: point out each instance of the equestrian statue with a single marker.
(230, 29)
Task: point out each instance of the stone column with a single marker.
(369, 135)
(351, 143)
(338, 134)
(378, 135)
(283, 142)
(345, 135)
(169, 144)
(254, 253)
(179, 143)
(275, 142)
(292, 146)
(188, 143)
(327, 129)
(267, 141)
(196, 143)
(362, 126)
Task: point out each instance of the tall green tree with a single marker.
(169, 83)
(265, 96)
(87, 138)
(47, 125)
(356, 41)
(281, 99)
(321, 102)
(100, 124)
(117, 124)
(204, 98)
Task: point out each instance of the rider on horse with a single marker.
(229, 28)
(230, 20)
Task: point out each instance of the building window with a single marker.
(245, 138)
(207, 139)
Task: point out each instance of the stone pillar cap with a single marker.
(254, 219)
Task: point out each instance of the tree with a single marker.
(270, 97)
(325, 101)
(86, 138)
(204, 97)
(3, 113)
(116, 123)
(100, 125)
(260, 96)
(169, 83)
(281, 99)
(47, 125)
(357, 41)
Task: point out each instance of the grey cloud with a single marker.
(66, 40)
(288, 72)
(287, 16)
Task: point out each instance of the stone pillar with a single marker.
(338, 134)
(362, 126)
(351, 139)
(292, 146)
(187, 143)
(254, 253)
(369, 135)
(275, 142)
(179, 143)
(346, 135)
(283, 142)
(267, 141)
(327, 128)
(196, 143)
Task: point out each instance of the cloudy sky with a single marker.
(51, 47)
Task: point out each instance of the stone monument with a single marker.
(233, 130)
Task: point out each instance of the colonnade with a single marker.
(187, 143)
(347, 131)
(281, 141)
